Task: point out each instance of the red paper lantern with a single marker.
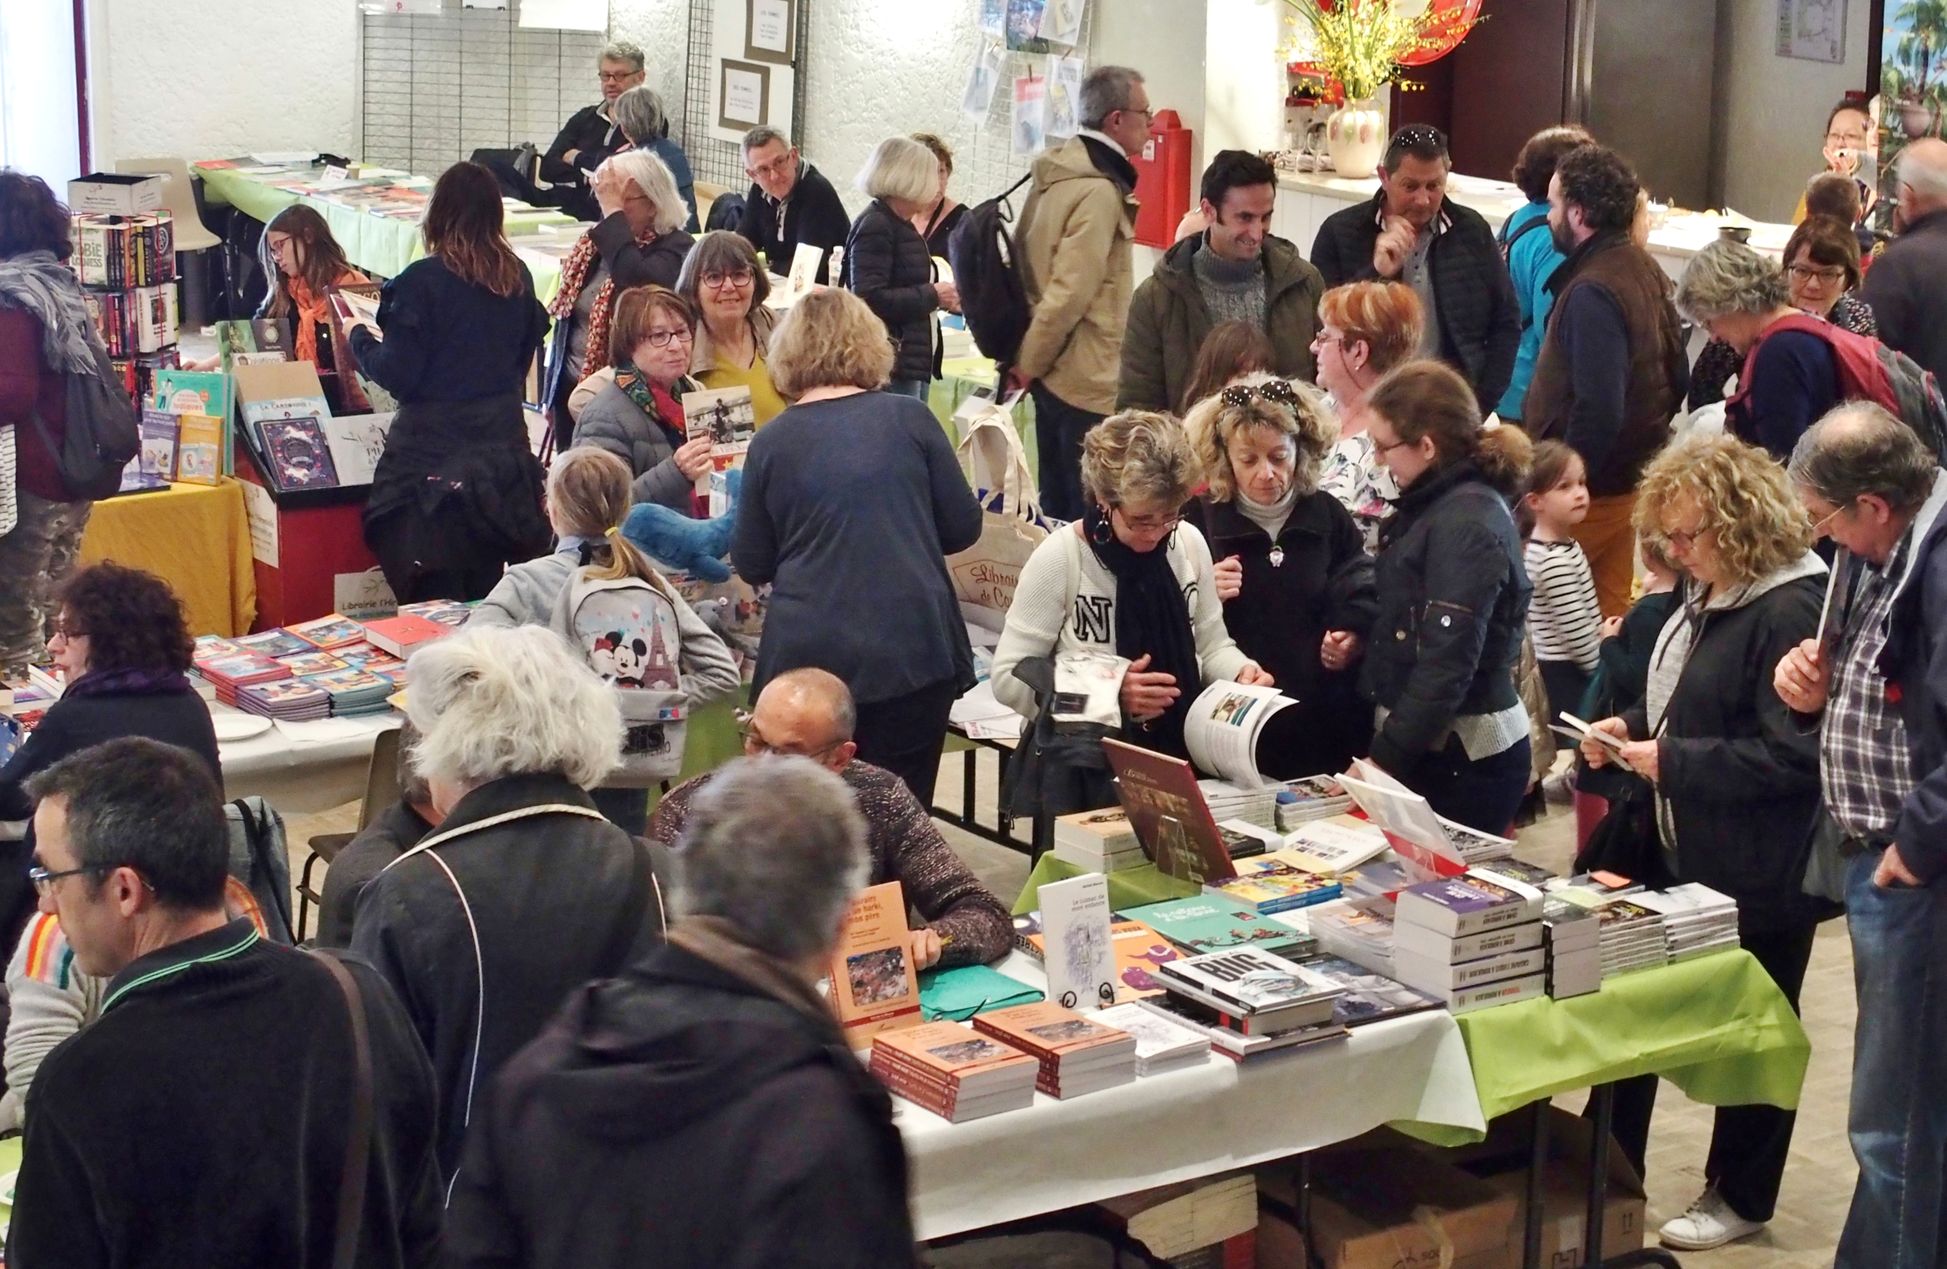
(1447, 24)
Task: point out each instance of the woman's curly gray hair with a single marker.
(1261, 402)
(1729, 277)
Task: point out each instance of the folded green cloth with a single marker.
(958, 994)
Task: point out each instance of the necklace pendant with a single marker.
(1277, 557)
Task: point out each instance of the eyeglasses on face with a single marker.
(44, 880)
(776, 167)
(1149, 524)
(662, 338)
(1684, 539)
(755, 746)
(616, 77)
(723, 280)
(1820, 525)
(1810, 273)
(66, 629)
(1387, 448)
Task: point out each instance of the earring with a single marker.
(1101, 531)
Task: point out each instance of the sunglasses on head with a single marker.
(1242, 394)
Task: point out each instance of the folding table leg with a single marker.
(967, 772)
(1303, 1190)
(1537, 1169)
(1602, 1102)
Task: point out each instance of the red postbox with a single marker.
(1162, 180)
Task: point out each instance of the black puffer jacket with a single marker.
(887, 265)
(1739, 775)
(1322, 581)
(1453, 606)
(1480, 320)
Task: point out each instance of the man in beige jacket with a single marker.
(1076, 230)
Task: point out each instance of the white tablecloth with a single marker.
(302, 768)
(1184, 1124)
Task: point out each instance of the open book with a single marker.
(356, 303)
(1223, 727)
(1432, 845)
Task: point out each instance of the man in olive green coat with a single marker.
(1235, 270)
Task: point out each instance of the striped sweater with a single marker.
(1564, 618)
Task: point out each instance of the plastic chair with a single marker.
(381, 790)
(193, 238)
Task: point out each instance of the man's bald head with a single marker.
(1923, 177)
(808, 712)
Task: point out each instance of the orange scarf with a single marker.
(574, 276)
(310, 311)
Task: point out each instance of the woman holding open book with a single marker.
(1292, 569)
(1130, 580)
(1736, 775)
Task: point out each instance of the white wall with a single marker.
(38, 134)
(1775, 107)
(214, 78)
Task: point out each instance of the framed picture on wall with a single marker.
(771, 31)
(743, 95)
(1812, 30)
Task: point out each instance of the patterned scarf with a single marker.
(41, 286)
(657, 403)
(574, 275)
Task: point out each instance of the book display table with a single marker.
(300, 767)
(1183, 1124)
(195, 537)
(1128, 887)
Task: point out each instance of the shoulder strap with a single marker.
(255, 832)
(507, 817)
(643, 886)
(1509, 239)
(358, 1137)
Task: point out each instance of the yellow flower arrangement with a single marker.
(1360, 44)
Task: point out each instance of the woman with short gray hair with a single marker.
(639, 113)
(1791, 374)
(524, 892)
(890, 267)
(1131, 580)
(640, 239)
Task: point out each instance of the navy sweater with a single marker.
(1794, 381)
(449, 340)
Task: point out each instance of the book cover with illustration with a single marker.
(1206, 925)
(297, 454)
(874, 985)
(199, 449)
(727, 419)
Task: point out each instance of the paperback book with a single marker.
(874, 986)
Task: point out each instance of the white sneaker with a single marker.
(1710, 1222)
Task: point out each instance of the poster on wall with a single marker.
(747, 85)
(1064, 97)
(565, 15)
(1812, 30)
(771, 31)
(991, 18)
(981, 83)
(1061, 22)
(1030, 115)
(743, 95)
(1024, 26)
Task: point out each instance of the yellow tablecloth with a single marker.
(195, 537)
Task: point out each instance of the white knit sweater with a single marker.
(1065, 602)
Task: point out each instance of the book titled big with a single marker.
(1466, 904)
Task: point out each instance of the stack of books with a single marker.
(1474, 846)
(1229, 801)
(308, 663)
(1206, 924)
(1309, 798)
(1076, 1055)
(1631, 936)
(1369, 997)
(400, 635)
(1162, 1043)
(1472, 940)
(229, 672)
(292, 699)
(1274, 887)
(1098, 841)
(274, 644)
(1248, 1002)
(1696, 919)
(354, 691)
(1574, 950)
(363, 656)
(1360, 932)
(446, 612)
(953, 1070)
(329, 633)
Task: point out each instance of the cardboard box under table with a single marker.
(1380, 1204)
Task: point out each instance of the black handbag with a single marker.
(1625, 841)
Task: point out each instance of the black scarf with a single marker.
(1152, 616)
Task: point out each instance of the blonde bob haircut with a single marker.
(652, 176)
(1743, 494)
(1138, 458)
(829, 339)
(496, 702)
(1290, 409)
(902, 168)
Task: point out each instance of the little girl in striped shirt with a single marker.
(1564, 619)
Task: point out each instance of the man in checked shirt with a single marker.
(1880, 683)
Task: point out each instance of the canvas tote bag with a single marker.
(996, 467)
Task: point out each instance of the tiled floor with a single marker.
(1818, 1183)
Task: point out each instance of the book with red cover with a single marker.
(953, 1070)
(400, 635)
(1089, 1054)
(1169, 814)
(874, 985)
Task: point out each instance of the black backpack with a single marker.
(993, 295)
(101, 435)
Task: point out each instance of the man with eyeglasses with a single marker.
(1075, 238)
(790, 204)
(1875, 687)
(589, 137)
(809, 713)
(1907, 286)
(209, 1116)
(1412, 232)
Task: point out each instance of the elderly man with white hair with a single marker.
(702, 1109)
(1877, 692)
(639, 240)
(524, 891)
(1905, 286)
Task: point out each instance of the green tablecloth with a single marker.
(1717, 1027)
(380, 245)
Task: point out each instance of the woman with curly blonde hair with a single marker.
(1290, 565)
(1736, 777)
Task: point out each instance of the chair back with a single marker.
(179, 196)
(381, 778)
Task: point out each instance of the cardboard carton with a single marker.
(114, 193)
(1380, 1206)
(1565, 1196)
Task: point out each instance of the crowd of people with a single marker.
(1404, 477)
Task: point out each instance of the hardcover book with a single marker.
(1169, 814)
(1249, 980)
(1467, 904)
(297, 454)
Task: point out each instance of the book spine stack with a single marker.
(1574, 950)
(1470, 942)
(127, 268)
